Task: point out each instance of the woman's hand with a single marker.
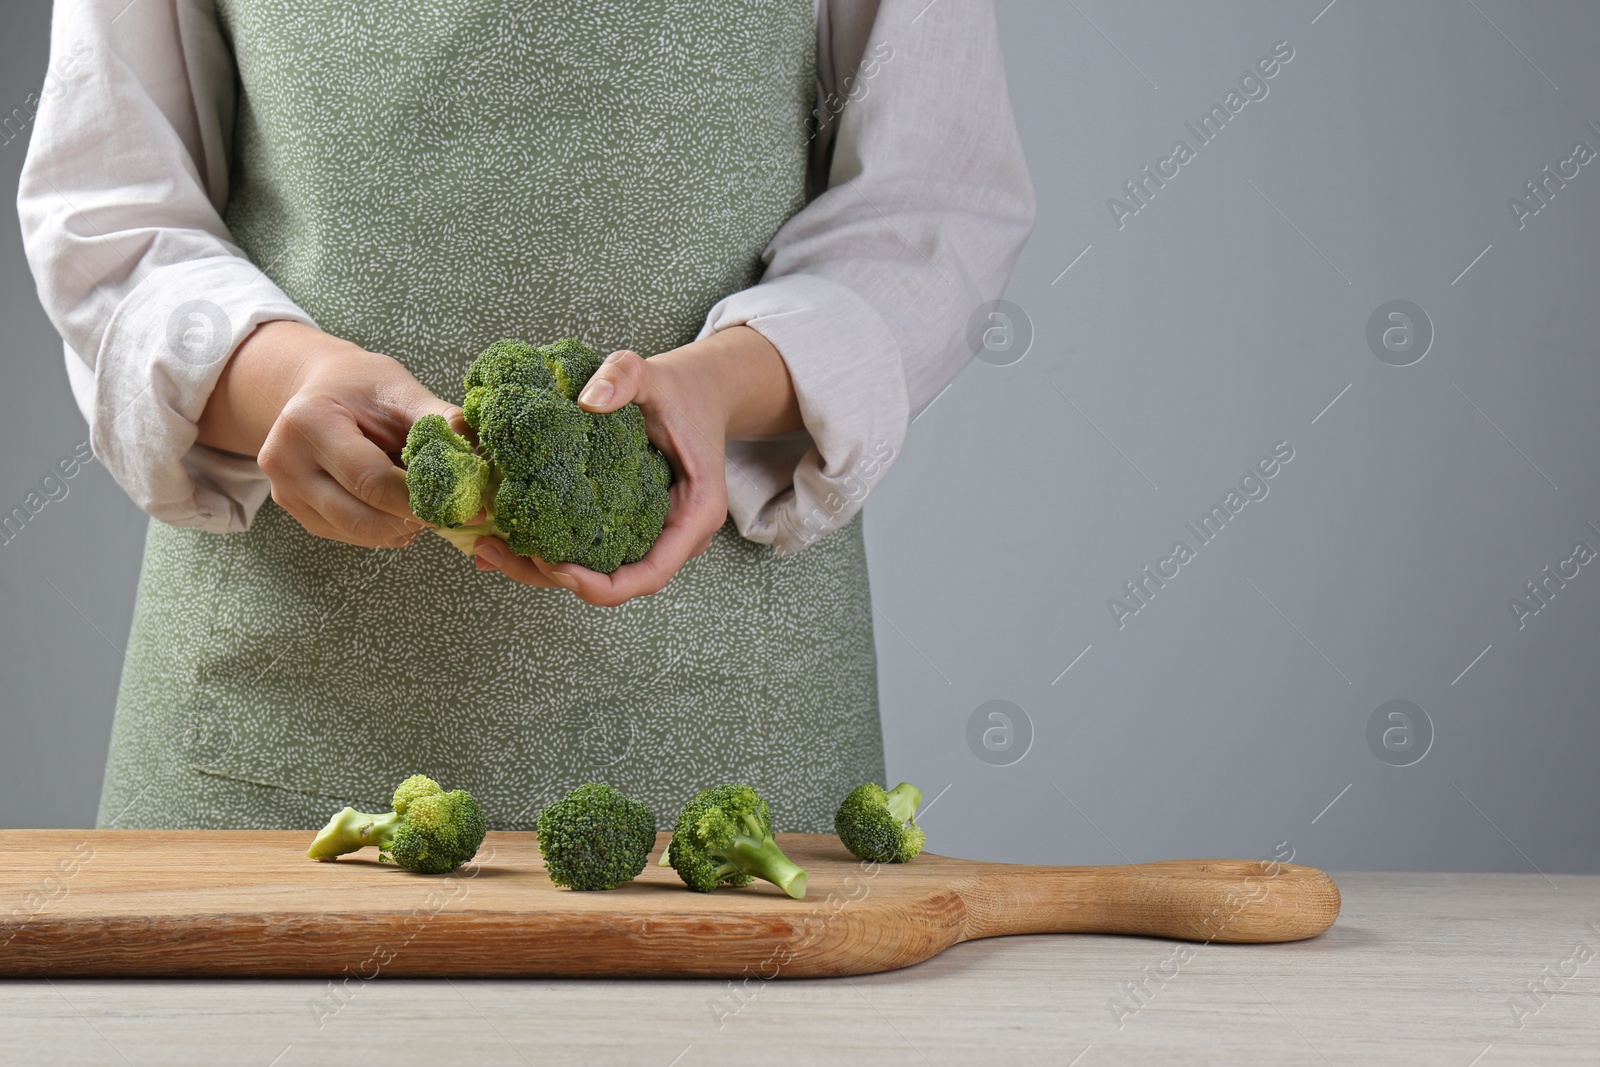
(326, 420)
(695, 399)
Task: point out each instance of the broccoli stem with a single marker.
(755, 853)
(351, 831)
(904, 799)
(464, 537)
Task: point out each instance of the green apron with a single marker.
(424, 177)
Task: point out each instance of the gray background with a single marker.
(1221, 319)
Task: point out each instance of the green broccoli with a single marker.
(551, 479)
(881, 826)
(429, 831)
(447, 479)
(724, 837)
(596, 838)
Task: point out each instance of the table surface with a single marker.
(1461, 970)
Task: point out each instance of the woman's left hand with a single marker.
(730, 385)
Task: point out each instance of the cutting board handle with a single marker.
(1193, 900)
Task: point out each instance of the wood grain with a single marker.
(1419, 971)
(248, 903)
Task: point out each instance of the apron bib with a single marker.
(426, 177)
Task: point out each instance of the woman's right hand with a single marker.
(326, 420)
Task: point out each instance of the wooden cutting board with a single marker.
(249, 903)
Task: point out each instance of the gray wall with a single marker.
(67, 579)
(1220, 319)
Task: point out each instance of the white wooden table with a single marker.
(1420, 969)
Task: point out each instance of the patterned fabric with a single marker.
(424, 178)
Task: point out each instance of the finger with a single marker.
(364, 470)
(354, 521)
(304, 514)
(325, 508)
(554, 578)
(387, 532)
(623, 377)
(499, 556)
(400, 404)
(452, 413)
(321, 504)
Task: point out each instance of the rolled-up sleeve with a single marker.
(120, 203)
(868, 289)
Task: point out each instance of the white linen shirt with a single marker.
(924, 204)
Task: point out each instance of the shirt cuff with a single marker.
(159, 359)
(791, 490)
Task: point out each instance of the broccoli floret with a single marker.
(560, 483)
(449, 482)
(429, 831)
(881, 826)
(596, 838)
(724, 837)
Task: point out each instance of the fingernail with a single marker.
(596, 393)
(565, 580)
(485, 565)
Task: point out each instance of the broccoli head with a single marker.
(429, 831)
(724, 837)
(881, 826)
(553, 480)
(449, 482)
(596, 838)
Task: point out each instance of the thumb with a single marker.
(456, 418)
(623, 377)
(420, 402)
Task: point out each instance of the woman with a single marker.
(273, 233)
